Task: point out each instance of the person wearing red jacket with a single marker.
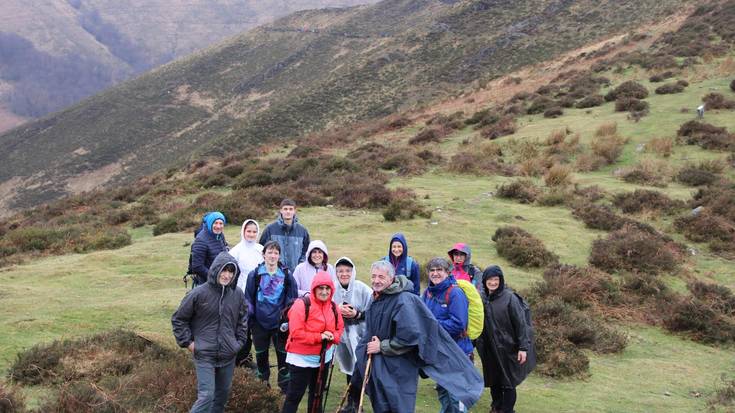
(304, 345)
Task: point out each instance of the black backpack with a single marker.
(189, 270)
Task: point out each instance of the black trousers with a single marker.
(504, 398)
(301, 377)
(262, 339)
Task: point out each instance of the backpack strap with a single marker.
(307, 305)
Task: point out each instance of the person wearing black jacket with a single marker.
(212, 323)
(209, 242)
(506, 344)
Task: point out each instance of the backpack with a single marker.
(307, 305)
(526, 311)
(189, 271)
(475, 308)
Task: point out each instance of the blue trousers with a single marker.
(213, 387)
(448, 402)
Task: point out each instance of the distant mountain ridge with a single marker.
(304, 72)
(55, 52)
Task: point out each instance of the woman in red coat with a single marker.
(323, 323)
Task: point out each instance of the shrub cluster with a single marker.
(503, 127)
(429, 135)
(558, 176)
(631, 249)
(522, 190)
(701, 320)
(648, 172)
(11, 399)
(553, 112)
(484, 158)
(645, 200)
(706, 136)
(590, 101)
(695, 175)
(521, 248)
(661, 146)
(628, 89)
(119, 371)
(717, 101)
(631, 104)
(607, 144)
(670, 88)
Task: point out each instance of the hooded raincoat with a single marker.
(465, 271)
(411, 339)
(304, 272)
(505, 334)
(449, 306)
(206, 246)
(247, 253)
(305, 334)
(401, 264)
(359, 296)
(293, 239)
(213, 316)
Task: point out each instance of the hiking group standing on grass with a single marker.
(284, 291)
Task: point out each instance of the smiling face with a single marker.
(437, 275)
(271, 256)
(380, 279)
(396, 248)
(317, 256)
(250, 233)
(344, 274)
(287, 212)
(492, 283)
(323, 292)
(218, 226)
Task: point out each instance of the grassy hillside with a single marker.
(593, 213)
(302, 73)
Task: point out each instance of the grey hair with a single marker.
(384, 266)
(438, 262)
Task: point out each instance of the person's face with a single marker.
(437, 275)
(317, 256)
(380, 280)
(218, 226)
(344, 274)
(271, 256)
(288, 211)
(323, 292)
(492, 283)
(250, 232)
(458, 257)
(225, 276)
(396, 248)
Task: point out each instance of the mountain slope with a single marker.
(55, 52)
(302, 73)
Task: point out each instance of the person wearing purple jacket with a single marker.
(316, 260)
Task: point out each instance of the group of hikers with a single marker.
(279, 287)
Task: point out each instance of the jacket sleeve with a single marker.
(304, 246)
(520, 329)
(297, 325)
(198, 257)
(340, 328)
(416, 277)
(250, 289)
(457, 308)
(265, 236)
(293, 289)
(181, 320)
(242, 323)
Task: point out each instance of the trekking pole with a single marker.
(329, 383)
(317, 403)
(344, 397)
(365, 382)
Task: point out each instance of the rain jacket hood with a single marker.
(402, 259)
(493, 271)
(248, 253)
(461, 247)
(317, 244)
(322, 278)
(359, 296)
(222, 259)
(210, 218)
(404, 264)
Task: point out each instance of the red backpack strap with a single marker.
(334, 310)
(446, 294)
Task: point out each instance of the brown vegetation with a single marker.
(521, 248)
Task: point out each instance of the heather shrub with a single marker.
(732, 85)
(11, 399)
(553, 112)
(555, 197)
(704, 227)
(522, 190)
(630, 249)
(706, 136)
(451, 121)
(645, 200)
(700, 321)
(608, 147)
(660, 77)
(558, 175)
(669, 88)
(628, 89)
(661, 146)
(717, 101)
(588, 162)
(482, 118)
(607, 129)
(404, 207)
(694, 176)
(539, 105)
(648, 172)
(505, 126)
(719, 297)
(597, 216)
(590, 101)
(521, 248)
(631, 104)
(428, 135)
(581, 287)
(592, 193)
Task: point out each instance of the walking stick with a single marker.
(329, 383)
(344, 397)
(365, 382)
(317, 403)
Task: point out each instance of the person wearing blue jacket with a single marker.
(209, 242)
(290, 235)
(402, 262)
(449, 305)
(212, 323)
(270, 289)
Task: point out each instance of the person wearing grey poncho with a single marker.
(353, 297)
